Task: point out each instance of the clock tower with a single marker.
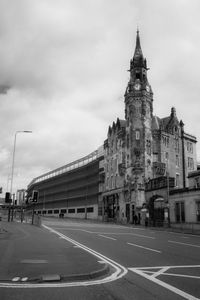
(138, 115)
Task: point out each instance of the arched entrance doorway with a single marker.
(156, 210)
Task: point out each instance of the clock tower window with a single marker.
(148, 145)
(137, 135)
(137, 75)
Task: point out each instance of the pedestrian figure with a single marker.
(136, 219)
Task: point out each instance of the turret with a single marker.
(139, 110)
(138, 70)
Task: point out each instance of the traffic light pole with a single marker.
(33, 213)
(9, 213)
(35, 195)
(13, 206)
(9, 201)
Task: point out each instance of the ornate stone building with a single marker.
(114, 166)
(141, 173)
(144, 156)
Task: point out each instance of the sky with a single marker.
(63, 74)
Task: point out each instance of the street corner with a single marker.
(57, 280)
(39, 258)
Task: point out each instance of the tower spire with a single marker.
(138, 50)
(138, 58)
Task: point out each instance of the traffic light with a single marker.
(8, 198)
(35, 195)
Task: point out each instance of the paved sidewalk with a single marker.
(30, 253)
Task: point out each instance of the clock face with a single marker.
(137, 86)
(147, 88)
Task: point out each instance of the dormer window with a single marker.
(175, 129)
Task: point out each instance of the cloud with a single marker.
(64, 72)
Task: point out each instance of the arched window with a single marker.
(137, 135)
(148, 145)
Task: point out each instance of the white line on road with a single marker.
(133, 234)
(141, 272)
(171, 274)
(161, 271)
(107, 237)
(119, 233)
(171, 267)
(191, 245)
(185, 234)
(118, 272)
(146, 248)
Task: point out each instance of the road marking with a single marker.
(171, 274)
(191, 245)
(109, 233)
(143, 272)
(171, 267)
(150, 249)
(107, 237)
(161, 271)
(118, 272)
(186, 234)
(120, 233)
(134, 234)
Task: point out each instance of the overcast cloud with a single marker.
(63, 73)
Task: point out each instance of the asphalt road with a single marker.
(144, 263)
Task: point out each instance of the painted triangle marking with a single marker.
(144, 272)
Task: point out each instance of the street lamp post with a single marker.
(13, 160)
(167, 173)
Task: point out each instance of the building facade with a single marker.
(114, 168)
(185, 205)
(21, 197)
(69, 191)
(156, 154)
